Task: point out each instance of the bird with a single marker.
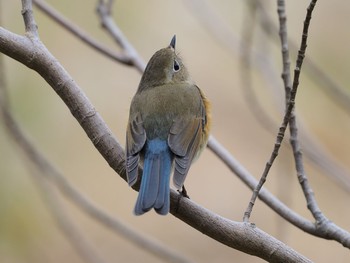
(168, 127)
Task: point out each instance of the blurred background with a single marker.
(28, 231)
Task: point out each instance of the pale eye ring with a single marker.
(176, 66)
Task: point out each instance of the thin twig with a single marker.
(336, 92)
(274, 154)
(313, 150)
(81, 34)
(246, 79)
(299, 164)
(289, 109)
(268, 198)
(281, 10)
(104, 10)
(289, 115)
(27, 12)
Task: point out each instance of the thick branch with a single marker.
(242, 236)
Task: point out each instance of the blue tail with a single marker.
(155, 190)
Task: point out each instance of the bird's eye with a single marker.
(176, 66)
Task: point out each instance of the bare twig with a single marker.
(81, 34)
(281, 10)
(268, 165)
(264, 194)
(313, 150)
(104, 10)
(289, 108)
(289, 116)
(323, 226)
(309, 195)
(29, 22)
(336, 92)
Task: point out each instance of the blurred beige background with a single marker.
(28, 232)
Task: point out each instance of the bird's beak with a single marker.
(173, 42)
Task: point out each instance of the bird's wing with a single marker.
(185, 141)
(135, 140)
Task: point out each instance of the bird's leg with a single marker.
(183, 192)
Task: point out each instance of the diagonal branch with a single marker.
(104, 10)
(299, 164)
(81, 34)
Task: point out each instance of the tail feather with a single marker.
(162, 204)
(155, 190)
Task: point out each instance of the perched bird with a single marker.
(168, 127)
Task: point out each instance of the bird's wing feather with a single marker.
(185, 138)
(135, 140)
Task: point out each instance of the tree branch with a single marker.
(27, 12)
(81, 34)
(104, 11)
(313, 150)
(323, 225)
